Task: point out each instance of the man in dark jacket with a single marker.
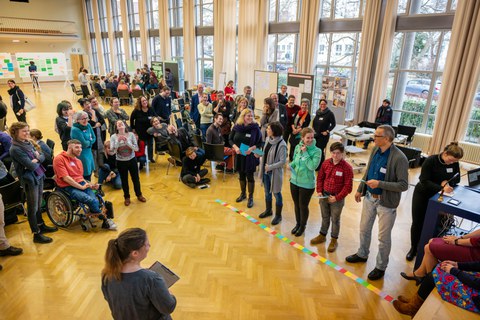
(383, 116)
(162, 105)
(282, 110)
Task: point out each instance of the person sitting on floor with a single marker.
(192, 173)
(455, 282)
(69, 177)
(107, 169)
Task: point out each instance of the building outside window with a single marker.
(282, 55)
(205, 60)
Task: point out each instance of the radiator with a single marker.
(421, 141)
(471, 152)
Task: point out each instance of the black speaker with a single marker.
(414, 155)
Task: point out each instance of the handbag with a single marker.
(29, 105)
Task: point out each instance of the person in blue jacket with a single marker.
(83, 132)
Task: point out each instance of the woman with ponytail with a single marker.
(131, 291)
(438, 173)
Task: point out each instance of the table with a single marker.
(468, 209)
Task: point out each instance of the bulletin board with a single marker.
(157, 67)
(49, 64)
(335, 91)
(173, 66)
(264, 84)
(301, 86)
(6, 66)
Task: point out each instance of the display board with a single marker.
(264, 84)
(335, 91)
(157, 68)
(301, 86)
(173, 66)
(49, 64)
(6, 66)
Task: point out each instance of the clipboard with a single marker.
(168, 275)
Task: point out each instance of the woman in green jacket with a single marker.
(302, 181)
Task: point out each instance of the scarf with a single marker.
(252, 128)
(322, 113)
(30, 150)
(12, 91)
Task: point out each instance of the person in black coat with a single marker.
(383, 116)
(192, 173)
(17, 101)
(162, 105)
(437, 170)
(246, 131)
(323, 124)
(282, 111)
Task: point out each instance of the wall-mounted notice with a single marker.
(301, 86)
(264, 84)
(335, 91)
(6, 66)
(48, 63)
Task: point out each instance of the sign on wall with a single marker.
(48, 63)
(6, 66)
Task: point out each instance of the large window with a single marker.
(117, 19)
(205, 59)
(337, 57)
(342, 9)
(93, 42)
(282, 55)
(134, 24)
(153, 25)
(120, 53)
(154, 44)
(102, 13)
(152, 14)
(473, 130)
(203, 13)
(175, 8)
(415, 79)
(426, 6)
(284, 10)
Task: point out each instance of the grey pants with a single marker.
(331, 211)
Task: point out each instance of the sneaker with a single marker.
(109, 224)
(46, 229)
(376, 274)
(40, 238)
(333, 245)
(318, 239)
(11, 251)
(354, 258)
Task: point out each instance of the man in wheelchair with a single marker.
(69, 177)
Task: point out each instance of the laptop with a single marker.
(474, 179)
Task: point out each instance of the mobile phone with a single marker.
(203, 186)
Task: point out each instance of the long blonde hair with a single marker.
(241, 120)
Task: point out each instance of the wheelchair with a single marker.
(63, 211)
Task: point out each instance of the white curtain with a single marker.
(462, 68)
(252, 39)
(164, 29)
(309, 28)
(384, 55)
(224, 39)
(189, 42)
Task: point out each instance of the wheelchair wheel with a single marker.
(59, 209)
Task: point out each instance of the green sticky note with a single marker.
(44, 69)
(55, 61)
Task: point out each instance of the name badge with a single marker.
(321, 118)
(248, 135)
(72, 164)
(283, 116)
(449, 170)
(167, 104)
(339, 173)
(383, 170)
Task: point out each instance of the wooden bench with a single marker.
(436, 308)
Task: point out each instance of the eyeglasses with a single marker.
(83, 119)
(375, 136)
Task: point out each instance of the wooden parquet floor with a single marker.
(229, 268)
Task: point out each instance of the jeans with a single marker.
(103, 174)
(149, 145)
(203, 128)
(267, 183)
(301, 198)
(86, 196)
(331, 211)
(124, 167)
(34, 193)
(386, 220)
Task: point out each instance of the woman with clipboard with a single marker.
(131, 291)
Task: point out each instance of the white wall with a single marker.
(65, 10)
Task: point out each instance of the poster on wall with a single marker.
(335, 91)
(301, 86)
(48, 64)
(6, 66)
(157, 67)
